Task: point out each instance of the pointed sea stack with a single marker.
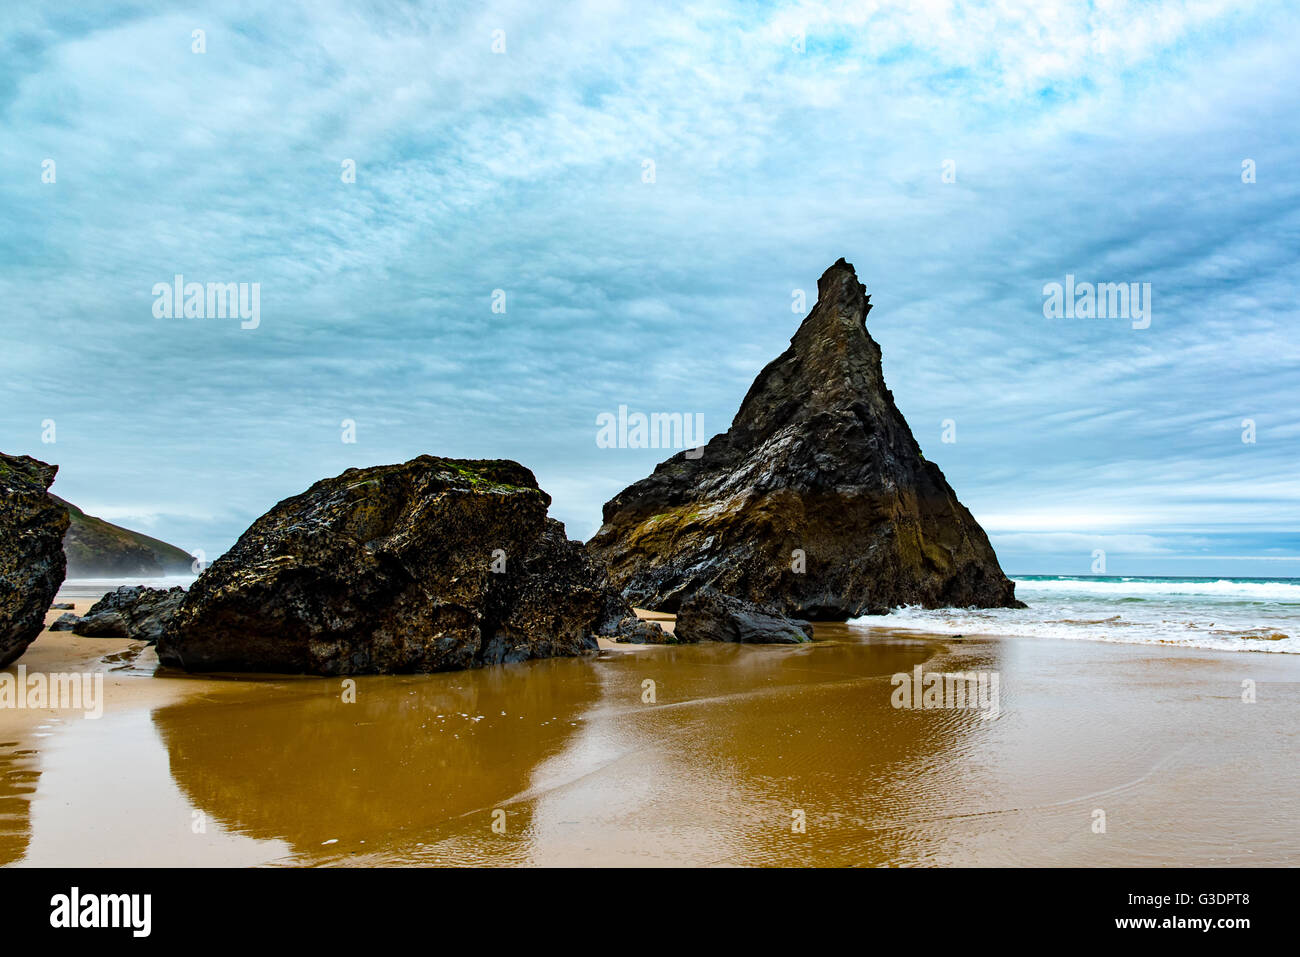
(816, 502)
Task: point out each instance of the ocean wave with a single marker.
(94, 587)
(1265, 591)
(1186, 622)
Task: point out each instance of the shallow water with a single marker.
(736, 741)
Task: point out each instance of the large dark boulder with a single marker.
(709, 615)
(31, 551)
(817, 501)
(432, 565)
(132, 611)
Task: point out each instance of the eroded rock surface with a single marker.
(431, 565)
(32, 564)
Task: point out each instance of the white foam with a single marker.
(1278, 591)
(1223, 615)
(85, 587)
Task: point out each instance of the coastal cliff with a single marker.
(99, 549)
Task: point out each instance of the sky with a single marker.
(561, 209)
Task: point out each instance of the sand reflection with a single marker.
(584, 768)
(413, 758)
(19, 775)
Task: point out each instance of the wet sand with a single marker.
(213, 771)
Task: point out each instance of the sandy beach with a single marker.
(739, 747)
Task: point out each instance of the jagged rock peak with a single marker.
(817, 501)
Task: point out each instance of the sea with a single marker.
(98, 587)
(1228, 614)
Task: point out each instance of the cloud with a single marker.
(1064, 542)
(1105, 141)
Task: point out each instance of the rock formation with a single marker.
(432, 565)
(31, 551)
(634, 631)
(132, 611)
(709, 615)
(816, 502)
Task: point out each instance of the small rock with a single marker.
(709, 615)
(63, 606)
(133, 611)
(64, 622)
(634, 631)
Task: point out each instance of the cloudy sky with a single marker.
(649, 190)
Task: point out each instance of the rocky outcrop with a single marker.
(432, 565)
(709, 615)
(100, 549)
(817, 501)
(31, 551)
(133, 611)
